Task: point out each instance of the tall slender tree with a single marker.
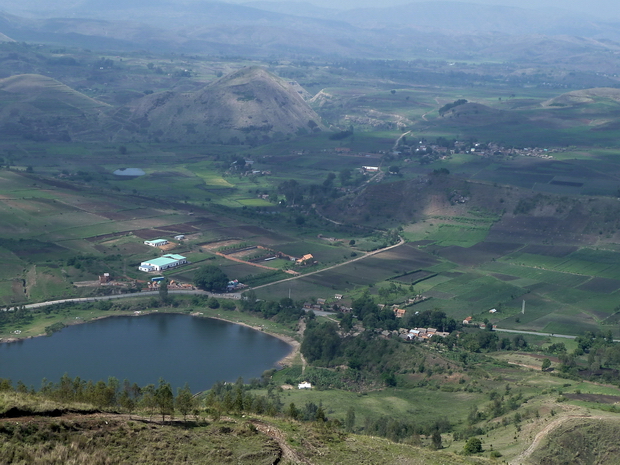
(164, 399)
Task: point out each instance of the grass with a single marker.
(592, 441)
(90, 438)
(400, 404)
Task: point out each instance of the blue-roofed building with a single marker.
(163, 263)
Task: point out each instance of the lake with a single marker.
(178, 348)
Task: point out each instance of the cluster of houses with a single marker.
(155, 283)
(322, 303)
(235, 285)
(422, 334)
(348, 151)
(470, 320)
(483, 150)
(398, 311)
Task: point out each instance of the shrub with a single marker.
(473, 446)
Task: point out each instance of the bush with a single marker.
(228, 305)
(473, 446)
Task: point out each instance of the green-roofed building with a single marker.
(170, 260)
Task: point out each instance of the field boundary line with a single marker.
(369, 254)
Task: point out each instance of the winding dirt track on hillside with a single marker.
(520, 459)
(288, 454)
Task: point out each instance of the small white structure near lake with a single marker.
(163, 263)
(305, 385)
(156, 242)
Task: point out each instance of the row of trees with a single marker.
(128, 397)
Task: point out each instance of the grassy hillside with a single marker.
(585, 96)
(32, 87)
(40, 108)
(578, 441)
(32, 430)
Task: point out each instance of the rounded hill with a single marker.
(585, 96)
(34, 88)
(40, 108)
(248, 106)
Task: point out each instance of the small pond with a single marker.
(134, 172)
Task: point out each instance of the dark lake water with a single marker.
(178, 348)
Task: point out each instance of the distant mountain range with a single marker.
(448, 30)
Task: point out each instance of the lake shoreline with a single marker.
(294, 343)
(283, 362)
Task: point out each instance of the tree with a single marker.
(394, 169)
(349, 422)
(127, 402)
(184, 401)
(436, 440)
(293, 411)
(345, 176)
(164, 399)
(210, 278)
(321, 342)
(546, 364)
(213, 303)
(148, 402)
(473, 446)
(346, 323)
(163, 291)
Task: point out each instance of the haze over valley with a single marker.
(419, 199)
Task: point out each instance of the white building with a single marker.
(305, 385)
(156, 242)
(163, 263)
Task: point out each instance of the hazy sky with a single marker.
(600, 8)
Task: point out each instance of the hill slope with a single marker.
(40, 107)
(577, 97)
(250, 105)
(34, 430)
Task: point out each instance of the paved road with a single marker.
(126, 296)
(565, 336)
